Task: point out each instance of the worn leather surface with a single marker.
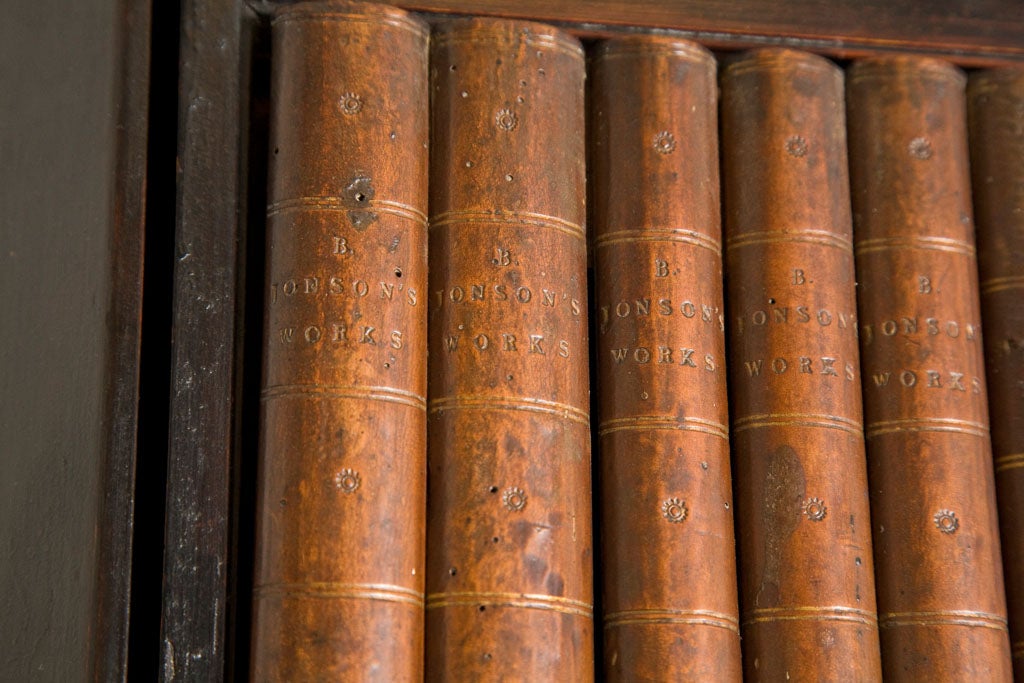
(940, 589)
(339, 582)
(807, 588)
(996, 118)
(668, 549)
(509, 562)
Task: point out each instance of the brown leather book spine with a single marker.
(509, 562)
(807, 587)
(339, 578)
(996, 118)
(940, 587)
(668, 549)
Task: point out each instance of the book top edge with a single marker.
(892, 66)
(350, 11)
(777, 59)
(653, 45)
(504, 31)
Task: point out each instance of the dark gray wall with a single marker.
(57, 156)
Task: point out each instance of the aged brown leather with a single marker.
(996, 118)
(940, 590)
(807, 587)
(668, 550)
(509, 561)
(339, 577)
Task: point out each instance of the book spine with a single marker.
(668, 549)
(940, 589)
(807, 586)
(509, 565)
(996, 119)
(339, 577)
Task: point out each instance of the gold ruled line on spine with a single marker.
(371, 19)
(535, 405)
(660, 235)
(836, 613)
(821, 237)
(1002, 284)
(921, 242)
(934, 424)
(1010, 461)
(334, 590)
(362, 393)
(342, 204)
(644, 423)
(695, 617)
(483, 216)
(948, 618)
(797, 420)
(526, 600)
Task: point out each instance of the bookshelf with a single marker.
(131, 459)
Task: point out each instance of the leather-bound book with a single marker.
(806, 581)
(339, 576)
(996, 119)
(942, 614)
(668, 549)
(509, 559)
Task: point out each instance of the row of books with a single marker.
(429, 192)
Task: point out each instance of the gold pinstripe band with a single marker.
(360, 392)
(934, 424)
(695, 617)
(669, 422)
(523, 600)
(917, 242)
(831, 613)
(1010, 461)
(797, 420)
(329, 590)
(332, 203)
(943, 618)
(533, 405)
(457, 218)
(659, 235)
(821, 237)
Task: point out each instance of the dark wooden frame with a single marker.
(214, 325)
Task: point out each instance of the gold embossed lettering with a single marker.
(508, 342)
(367, 335)
(924, 284)
(827, 366)
(535, 347)
(341, 247)
(754, 367)
(664, 354)
(687, 358)
(396, 339)
(798, 276)
(660, 268)
(805, 365)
